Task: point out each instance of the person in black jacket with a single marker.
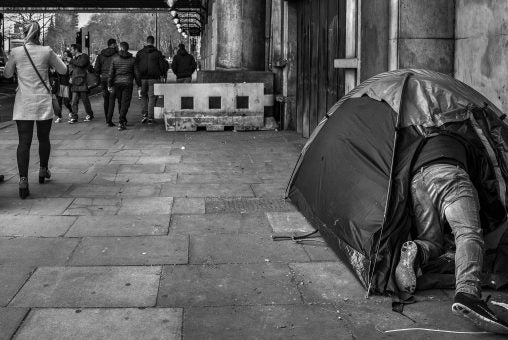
(62, 87)
(122, 73)
(78, 68)
(151, 65)
(102, 66)
(183, 65)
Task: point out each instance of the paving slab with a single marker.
(47, 206)
(267, 190)
(226, 285)
(217, 177)
(377, 320)
(102, 143)
(236, 223)
(318, 250)
(79, 162)
(243, 248)
(10, 319)
(288, 222)
(141, 168)
(28, 251)
(139, 250)
(95, 190)
(33, 225)
(264, 322)
(146, 206)
(159, 160)
(103, 323)
(145, 178)
(207, 190)
(93, 206)
(327, 282)
(50, 189)
(139, 152)
(12, 278)
(120, 225)
(90, 287)
(185, 205)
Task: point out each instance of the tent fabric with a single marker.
(352, 178)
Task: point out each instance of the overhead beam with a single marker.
(81, 10)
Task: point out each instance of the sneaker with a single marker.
(58, 120)
(88, 118)
(121, 126)
(150, 121)
(73, 121)
(110, 124)
(478, 312)
(144, 120)
(405, 274)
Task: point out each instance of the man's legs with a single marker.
(74, 105)
(144, 98)
(126, 102)
(105, 97)
(86, 103)
(111, 106)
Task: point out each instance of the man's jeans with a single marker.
(86, 103)
(123, 93)
(440, 193)
(148, 97)
(105, 96)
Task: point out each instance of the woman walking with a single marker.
(33, 101)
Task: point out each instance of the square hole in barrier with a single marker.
(187, 103)
(242, 102)
(214, 102)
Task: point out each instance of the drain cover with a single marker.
(246, 205)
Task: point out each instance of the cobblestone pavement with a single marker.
(144, 234)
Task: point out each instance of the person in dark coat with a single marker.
(101, 67)
(62, 87)
(151, 65)
(122, 73)
(78, 67)
(183, 65)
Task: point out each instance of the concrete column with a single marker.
(240, 34)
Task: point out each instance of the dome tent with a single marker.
(352, 178)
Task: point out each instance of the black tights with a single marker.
(25, 133)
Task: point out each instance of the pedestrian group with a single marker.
(40, 97)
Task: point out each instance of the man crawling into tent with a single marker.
(442, 191)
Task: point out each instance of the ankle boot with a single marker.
(43, 174)
(23, 188)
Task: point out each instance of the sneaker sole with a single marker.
(479, 320)
(405, 275)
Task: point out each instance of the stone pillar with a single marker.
(240, 34)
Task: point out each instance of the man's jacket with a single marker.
(123, 70)
(183, 65)
(78, 68)
(103, 62)
(150, 63)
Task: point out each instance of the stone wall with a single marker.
(426, 34)
(481, 55)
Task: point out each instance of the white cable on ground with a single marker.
(432, 330)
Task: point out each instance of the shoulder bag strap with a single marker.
(35, 68)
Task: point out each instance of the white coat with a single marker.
(33, 101)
